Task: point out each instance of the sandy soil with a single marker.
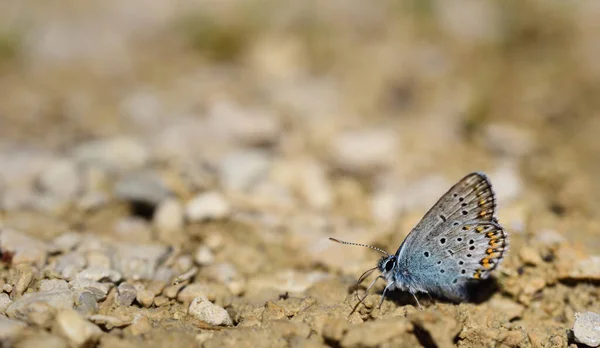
(170, 174)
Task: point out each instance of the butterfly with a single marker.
(458, 241)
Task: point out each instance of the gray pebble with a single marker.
(126, 294)
(86, 303)
(139, 261)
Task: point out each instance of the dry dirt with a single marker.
(170, 173)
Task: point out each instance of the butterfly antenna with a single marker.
(362, 245)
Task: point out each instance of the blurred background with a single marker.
(391, 101)
(190, 123)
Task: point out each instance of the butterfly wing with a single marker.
(458, 239)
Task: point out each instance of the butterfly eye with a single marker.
(389, 265)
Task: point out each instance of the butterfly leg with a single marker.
(383, 294)
(416, 299)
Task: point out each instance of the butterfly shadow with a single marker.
(477, 292)
(482, 290)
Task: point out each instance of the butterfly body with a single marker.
(458, 241)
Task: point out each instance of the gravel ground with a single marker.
(170, 175)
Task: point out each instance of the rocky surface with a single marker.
(170, 175)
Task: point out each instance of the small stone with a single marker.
(272, 312)
(116, 155)
(201, 308)
(5, 301)
(142, 187)
(53, 284)
(530, 256)
(60, 179)
(99, 290)
(23, 276)
(99, 274)
(97, 259)
(26, 249)
(58, 299)
(172, 290)
(145, 298)
(365, 150)
(204, 256)
(205, 206)
(168, 219)
(65, 242)
(86, 303)
(161, 301)
(70, 325)
(126, 294)
(136, 261)
(240, 170)
(68, 265)
(10, 328)
(587, 328)
(156, 286)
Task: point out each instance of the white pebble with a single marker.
(204, 256)
(60, 179)
(201, 308)
(205, 206)
(587, 328)
(168, 217)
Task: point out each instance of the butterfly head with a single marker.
(386, 265)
